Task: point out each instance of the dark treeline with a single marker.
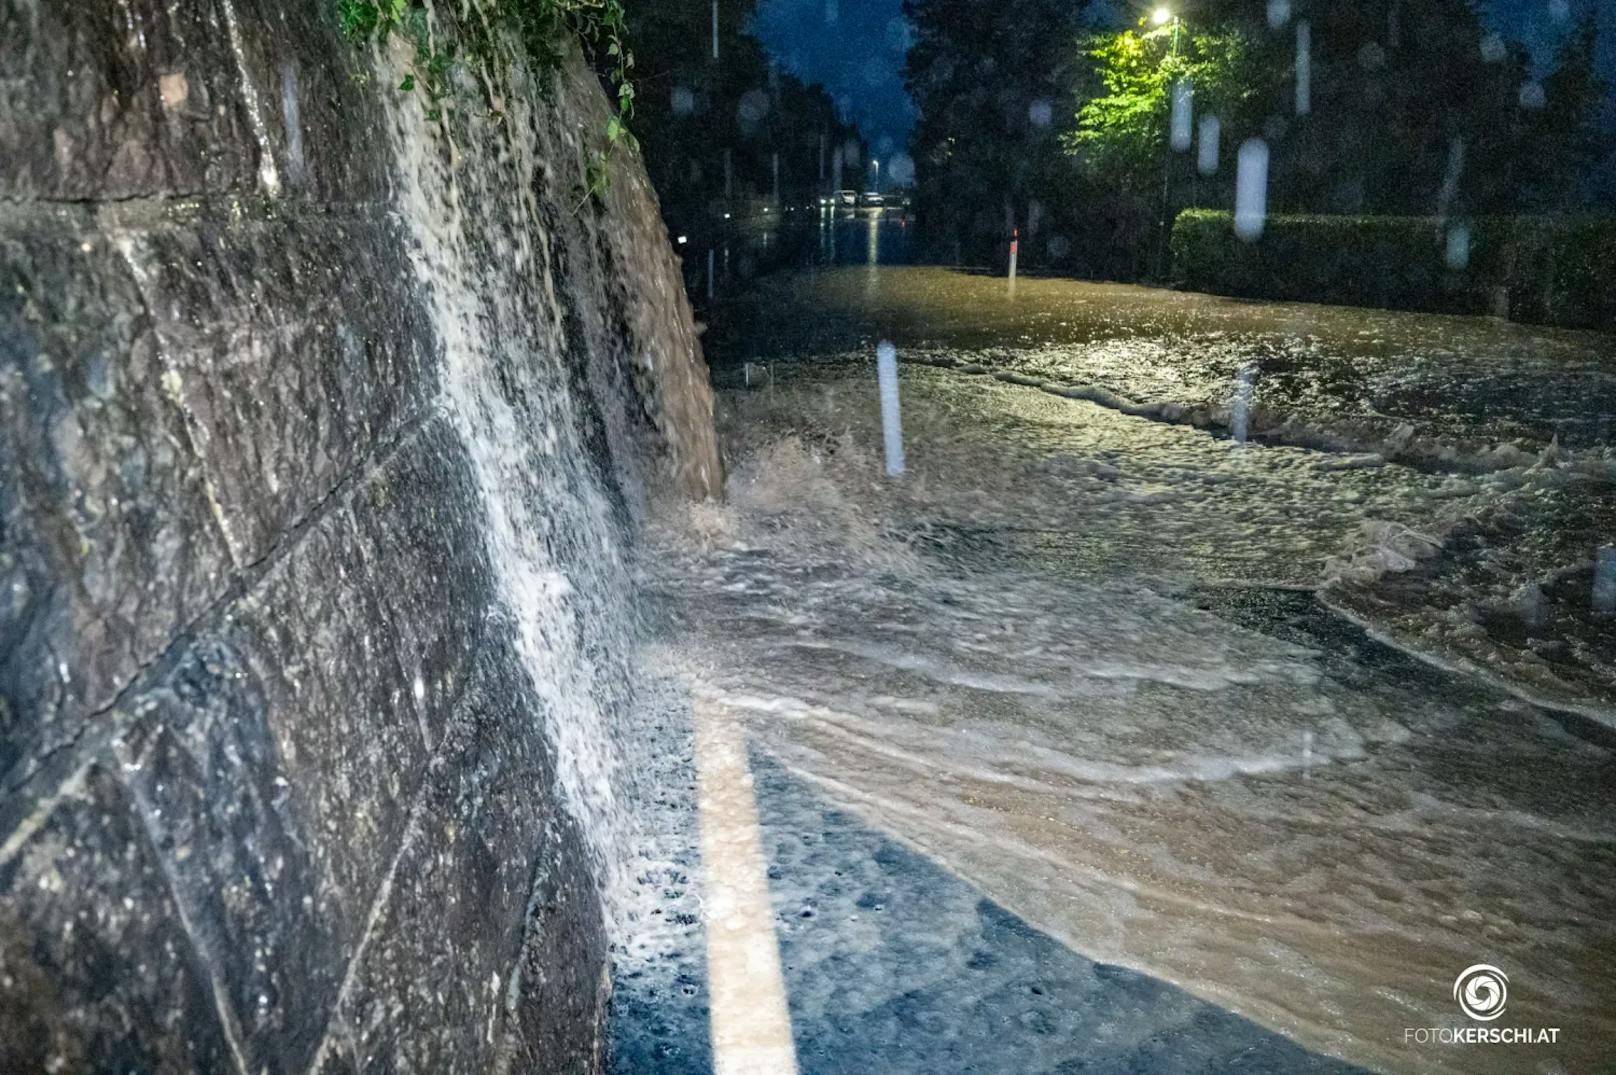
(1035, 115)
(711, 130)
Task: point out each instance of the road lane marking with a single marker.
(751, 1025)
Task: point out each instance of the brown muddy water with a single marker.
(1077, 653)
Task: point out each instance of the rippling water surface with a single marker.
(1078, 652)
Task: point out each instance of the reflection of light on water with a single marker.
(873, 250)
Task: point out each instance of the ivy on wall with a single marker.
(540, 28)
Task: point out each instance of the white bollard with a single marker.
(1015, 253)
(886, 368)
(1240, 410)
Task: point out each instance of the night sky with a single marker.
(855, 49)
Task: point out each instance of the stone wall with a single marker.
(280, 782)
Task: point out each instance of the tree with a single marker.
(987, 77)
(1567, 137)
(1120, 142)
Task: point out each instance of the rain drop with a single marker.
(1304, 68)
(753, 107)
(1183, 111)
(1211, 133)
(1251, 190)
(1457, 255)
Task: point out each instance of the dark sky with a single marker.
(855, 49)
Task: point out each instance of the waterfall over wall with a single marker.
(326, 429)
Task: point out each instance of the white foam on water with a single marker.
(1153, 785)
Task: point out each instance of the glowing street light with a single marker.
(1161, 16)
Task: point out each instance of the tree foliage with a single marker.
(1122, 122)
(988, 80)
(482, 43)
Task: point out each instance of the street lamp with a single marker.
(1161, 16)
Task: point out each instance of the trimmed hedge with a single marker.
(1559, 271)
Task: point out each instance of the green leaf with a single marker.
(408, 84)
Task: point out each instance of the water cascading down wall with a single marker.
(325, 430)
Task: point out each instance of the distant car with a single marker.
(847, 197)
(871, 199)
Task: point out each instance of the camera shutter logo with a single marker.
(1481, 991)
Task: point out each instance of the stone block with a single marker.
(97, 972)
(295, 346)
(434, 988)
(111, 541)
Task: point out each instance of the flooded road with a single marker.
(1078, 654)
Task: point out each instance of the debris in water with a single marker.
(1183, 113)
(1211, 132)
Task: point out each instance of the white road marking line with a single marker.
(751, 1025)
